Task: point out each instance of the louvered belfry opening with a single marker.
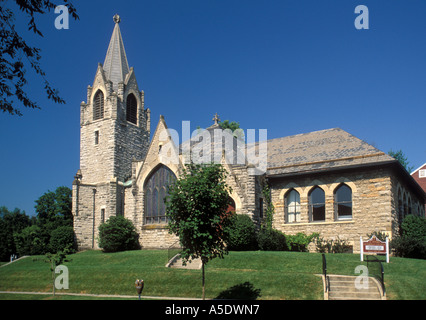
(132, 109)
(98, 106)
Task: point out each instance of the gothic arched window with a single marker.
(132, 109)
(317, 204)
(404, 206)
(98, 105)
(155, 190)
(400, 207)
(292, 206)
(343, 202)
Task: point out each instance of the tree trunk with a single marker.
(204, 287)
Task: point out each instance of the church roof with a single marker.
(210, 144)
(303, 153)
(321, 150)
(116, 66)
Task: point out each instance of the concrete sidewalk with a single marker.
(98, 295)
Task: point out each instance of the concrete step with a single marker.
(178, 263)
(371, 289)
(346, 298)
(344, 288)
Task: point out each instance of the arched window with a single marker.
(317, 204)
(343, 202)
(400, 206)
(292, 206)
(98, 105)
(132, 109)
(155, 190)
(404, 206)
(231, 206)
(410, 210)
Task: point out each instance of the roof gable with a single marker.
(419, 168)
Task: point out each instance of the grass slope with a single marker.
(247, 275)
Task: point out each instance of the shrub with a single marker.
(332, 246)
(379, 235)
(118, 234)
(299, 242)
(240, 233)
(61, 238)
(412, 241)
(409, 247)
(270, 239)
(414, 226)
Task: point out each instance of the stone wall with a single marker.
(108, 147)
(100, 201)
(371, 205)
(404, 202)
(156, 237)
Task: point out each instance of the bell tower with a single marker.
(114, 130)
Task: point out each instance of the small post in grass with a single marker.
(139, 287)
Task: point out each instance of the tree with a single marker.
(62, 238)
(400, 156)
(55, 260)
(16, 54)
(11, 222)
(229, 125)
(196, 208)
(54, 209)
(31, 241)
(234, 127)
(53, 212)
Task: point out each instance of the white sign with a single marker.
(374, 245)
(375, 248)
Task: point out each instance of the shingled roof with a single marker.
(308, 152)
(320, 150)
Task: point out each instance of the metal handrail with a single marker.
(173, 250)
(380, 277)
(324, 272)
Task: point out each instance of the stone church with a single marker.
(328, 181)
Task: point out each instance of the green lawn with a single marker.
(262, 275)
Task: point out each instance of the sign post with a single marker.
(374, 245)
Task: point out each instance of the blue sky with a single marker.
(287, 66)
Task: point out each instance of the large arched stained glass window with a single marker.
(155, 190)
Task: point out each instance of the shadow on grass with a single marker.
(243, 291)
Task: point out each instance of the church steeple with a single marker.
(114, 133)
(116, 66)
(114, 122)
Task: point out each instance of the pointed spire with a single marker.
(116, 66)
